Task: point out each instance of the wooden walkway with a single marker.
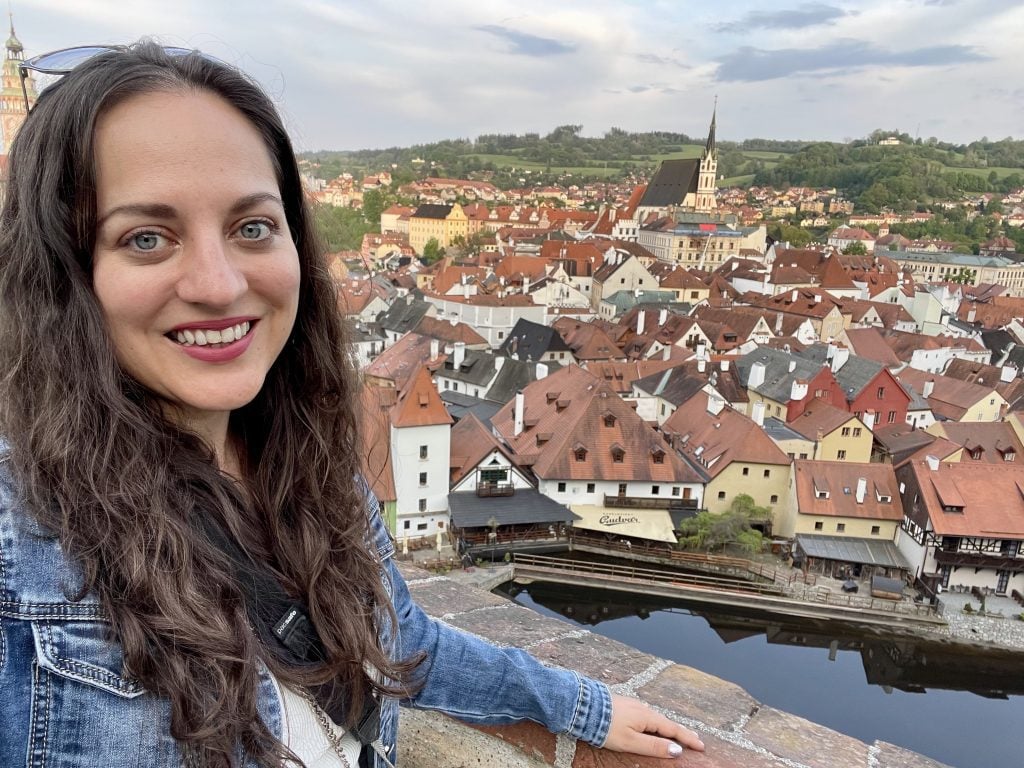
(791, 600)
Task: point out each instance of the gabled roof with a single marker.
(431, 211)
(419, 405)
(949, 397)
(714, 441)
(401, 360)
(587, 341)
(404, 314)
(853, 376)
(449, 331)
(620, 376)
(819, 415)
(870, 344)
(530, 341)
(994, 442)
(573, 407)
(778, 378)
(991, 494)
(513, 376)
(683, 381)
(671, 183)
(471, 443)
(979, 373)
(839, 479)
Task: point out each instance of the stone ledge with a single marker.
(738, 731)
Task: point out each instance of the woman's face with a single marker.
(194, 266)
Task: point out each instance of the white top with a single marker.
(303, 733)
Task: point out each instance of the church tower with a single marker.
(12, 99)
(707, 179)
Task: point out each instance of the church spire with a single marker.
(710, 146)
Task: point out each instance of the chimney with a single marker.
(792, 365)
(793, 296)
(1008, 374)
(517, 417)
(662, 317)
(435, 348)
(929, 386)
(724, 365)
(862, 489)
(817, 298)
(778, 323)
(758, 413)
(715, 405)
(465, 291)
(869, 420)
(460, 354)
(702, 365)
(702, 351)
(641, 321)
(933, 462)
(756, 378)
(542, 370)
(666, 353)
(971, 314)
(454, 320)
(799, 390)
(499, 361)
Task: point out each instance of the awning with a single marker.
(525, 507)
(848, 549)
(653, 524)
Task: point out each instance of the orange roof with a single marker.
(450, 331)
(571, 410)
(991, 495)
(821, 415)
(401, 360)
(839, 480)
(714, 441)
(420, 405)
(587, 341)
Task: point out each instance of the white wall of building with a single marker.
(409, 465)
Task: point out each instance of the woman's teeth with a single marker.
(202, 337)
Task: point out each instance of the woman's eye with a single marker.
(254, 230)
(146, 241)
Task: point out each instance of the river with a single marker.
(961, 708)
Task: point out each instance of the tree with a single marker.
(856, 248)
(432, 251)
(374, 203)
(714, 531)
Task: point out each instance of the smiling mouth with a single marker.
(210, 337)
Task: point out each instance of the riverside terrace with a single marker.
(739, 731)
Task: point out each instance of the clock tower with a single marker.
(12, 99)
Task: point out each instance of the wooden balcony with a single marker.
(638, 502)
(484, 490)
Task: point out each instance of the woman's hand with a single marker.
(639, 730)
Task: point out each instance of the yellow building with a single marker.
(838, 435)
(442, 223)
(834, 498)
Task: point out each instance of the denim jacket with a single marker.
(65, 698)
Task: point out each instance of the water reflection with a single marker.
(846, 678)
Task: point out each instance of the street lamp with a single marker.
(493, 525)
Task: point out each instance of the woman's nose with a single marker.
(210, 274)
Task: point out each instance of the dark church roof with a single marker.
(432, 211)
(673, 181)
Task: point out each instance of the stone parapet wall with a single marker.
(737, 730)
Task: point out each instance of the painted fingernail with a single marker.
(675, 750)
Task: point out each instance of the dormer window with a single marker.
(658, 455)
(1009, 454)
(580, 453)
(618, 454)
(976, 453)
(609, 420)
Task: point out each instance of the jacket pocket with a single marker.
(84, 651)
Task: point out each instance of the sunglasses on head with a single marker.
(67, 59)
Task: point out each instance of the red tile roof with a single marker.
(419, 405)
(991, 496)
(840, 479)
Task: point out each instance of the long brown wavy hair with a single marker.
(99, 465)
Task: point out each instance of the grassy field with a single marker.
(737, 181)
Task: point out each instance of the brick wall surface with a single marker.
(737, 730)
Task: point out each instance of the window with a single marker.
(875, 530)
(856, 431)
(721, 495)
(591, 487)
(846, 431)
(675, 490)
(423, 478)
(659, 457)
(501, 334)
(880, 393)
(609, 420)
(405, 524)
(622, 489)
(892, 417)
(561, 487)
(840, 527)
(424, 451)
(581, 454)
(803, 455)
(775, 499)
(421, 527)
(746, 471)
(840, 455)
(767, 473)
(618, 455)
(655, 490)
(818, 525)
(423, 505)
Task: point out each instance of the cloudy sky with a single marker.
(377, 73)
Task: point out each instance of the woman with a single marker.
(191, 569)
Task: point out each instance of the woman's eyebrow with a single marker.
(163, 211)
